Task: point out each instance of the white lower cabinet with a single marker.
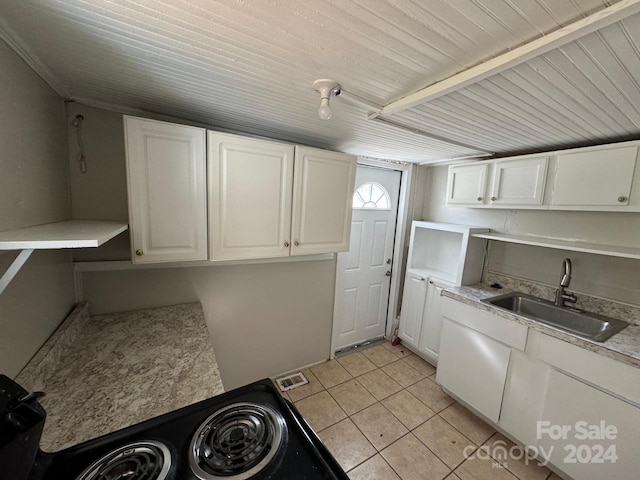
(473, 367)
(429, 343)
(421, 319)
(576, 409)
(587, 433)
(413, 303)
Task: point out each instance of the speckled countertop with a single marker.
(107, 372)
(623, 346)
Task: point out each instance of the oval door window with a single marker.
(371, 195)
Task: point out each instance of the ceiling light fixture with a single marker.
(326, 88)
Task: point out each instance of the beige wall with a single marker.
(607, 277)
(264, 319)
(33, 190)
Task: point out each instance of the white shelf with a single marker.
(68, 234)
(610, 250)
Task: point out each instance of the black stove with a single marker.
(247, 433)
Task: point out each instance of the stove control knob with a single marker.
(139, 252)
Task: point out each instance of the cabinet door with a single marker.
(322, 201)
(250, 184)
(413, 300)
(595, 178)
(429, 343)
(473, 367)
(167, 193)
(466, 184)
(519, 181)
(579, 407)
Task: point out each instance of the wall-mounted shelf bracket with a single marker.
(67, 234)
(14, 268)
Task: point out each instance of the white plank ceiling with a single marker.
(248, 66)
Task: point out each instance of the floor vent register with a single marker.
(291, 381)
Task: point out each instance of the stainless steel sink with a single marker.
(584, 324)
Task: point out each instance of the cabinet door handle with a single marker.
(622, 199)
(479, 199)
(431, 282)
(296, 243)
(286, 244)
(493, 199)
(139, 252)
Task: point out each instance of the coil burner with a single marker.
(147, 460)
(237, 442)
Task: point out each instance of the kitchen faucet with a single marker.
(561, 294)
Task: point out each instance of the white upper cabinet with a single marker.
(322, 201)
(519, 181)
(467, 184)
(601, 177)
(249, 197)
(269, 199)
(167, 192)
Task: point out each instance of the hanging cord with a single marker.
(81, 158)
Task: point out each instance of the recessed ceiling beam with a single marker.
(524, 53)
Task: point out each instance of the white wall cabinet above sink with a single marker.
(466, 184)
(269, 199)
(518, 182)
(594, 178)
(601, 178)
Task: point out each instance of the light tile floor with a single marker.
(381, 414)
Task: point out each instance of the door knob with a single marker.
(388, 261)
(286, 244)
(296, 243)
(388, 273)
(139, 252)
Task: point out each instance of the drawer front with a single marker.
(616, 377)
(498, 328)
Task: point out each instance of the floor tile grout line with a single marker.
(460, 431)
(409, 431)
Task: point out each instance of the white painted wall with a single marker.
(34, 189)
(603, 276)
(264, 319)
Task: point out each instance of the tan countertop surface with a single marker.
(107, 372)
(623, 346)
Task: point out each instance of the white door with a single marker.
(413, 303)
(519, 182)
(167, 192)
(362, 281)
(466, 184)
(322, 196)
(250, 188)
(429, 343)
